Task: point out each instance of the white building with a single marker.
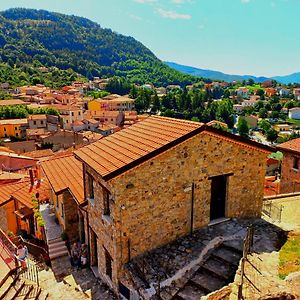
(294, 113)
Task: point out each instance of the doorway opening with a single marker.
(218, 197)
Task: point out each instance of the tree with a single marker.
(271, 135)
(263, 113)
(264, 125)
(155, 103)
(243, 128)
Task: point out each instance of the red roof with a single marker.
(118, 150)
(63, 173)
(129, 147)
(22, 191)
(292, 145)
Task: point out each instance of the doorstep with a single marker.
(218, 221)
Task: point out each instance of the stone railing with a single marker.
(9, 249)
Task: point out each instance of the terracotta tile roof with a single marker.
(39, 153)
(65, 173)
(292, 145)
(129, 147)
(12, 102)
(13, 121)
(37, 117)
(23, 191)
(126, 146)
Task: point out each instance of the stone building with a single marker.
(290, 166)
(65, 178)
(162, 179)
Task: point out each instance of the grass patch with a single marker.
(293, 122)
(289, 256)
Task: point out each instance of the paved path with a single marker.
(53, 230)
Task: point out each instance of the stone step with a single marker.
(25, 292)
(14, 290)
(53, 241)
(207, 281)
(5, 285)
(234, 246)
(228, 255)
(43, 295)
(58, 254)
(218, 268)
(191, 292)
(57, 248)
(55, 244)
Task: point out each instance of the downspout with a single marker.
(192, 208)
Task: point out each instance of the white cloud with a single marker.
(179, 1)
(245, 1)
(145, 1)
(173, 15)
(134, 17)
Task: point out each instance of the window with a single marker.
(90, 186)
(42, 122)
(79, 113)
(296, 163)
(17, 134)
(34, 122)
(62, 210)
(4, 129)
(72, 114)
(108, 264)
(16, 128)
(106, 202)
(124, 291)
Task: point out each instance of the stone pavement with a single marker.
(63, 282)
(53, 230)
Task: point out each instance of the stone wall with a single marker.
(8, 220)
(106, 234)
(152, 202)
(3, 219)
(289, 174)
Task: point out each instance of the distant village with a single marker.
(155, 206)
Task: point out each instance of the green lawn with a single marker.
(293, 122)
(289, 256)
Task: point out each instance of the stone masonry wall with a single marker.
(71, 216)
(289, 174)
(157, 198)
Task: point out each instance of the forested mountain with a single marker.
(213, 75)
(42, 38)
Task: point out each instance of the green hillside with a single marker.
(38, 37)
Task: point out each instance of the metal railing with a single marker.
(30, 273)
(9, 249)
(272, 210)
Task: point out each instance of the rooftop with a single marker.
(23, 191)
(129, 147)
(292, 145)
(65, 173)
(13, 121)
(37, 117)
(12, 102)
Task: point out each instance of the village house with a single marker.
(65, 177)
(106, 129)
(283, 128)
(12, 102)
(68, 115)
(284, 92)
(13, 162)
(91, 124)
(248, 103)
(13, 127)
(270, 92)
(296, 93)
(161, 179)
(242, 92)
(17, 208)
(112, 117)
(294, 113)
(37, 121)
(290, 166)
(117, 104)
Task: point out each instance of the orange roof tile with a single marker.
(292, 145)
(65, 173)
(39, 153)
(128, 145)
(22, 191)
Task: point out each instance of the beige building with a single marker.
(161, 179)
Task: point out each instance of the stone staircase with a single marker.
(16, 288)
(57, 248)
(217, 271)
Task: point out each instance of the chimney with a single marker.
(31, 177)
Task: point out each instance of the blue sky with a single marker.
(259, 37)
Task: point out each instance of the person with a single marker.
(21, 256)
(83, 255)
(75, 255)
